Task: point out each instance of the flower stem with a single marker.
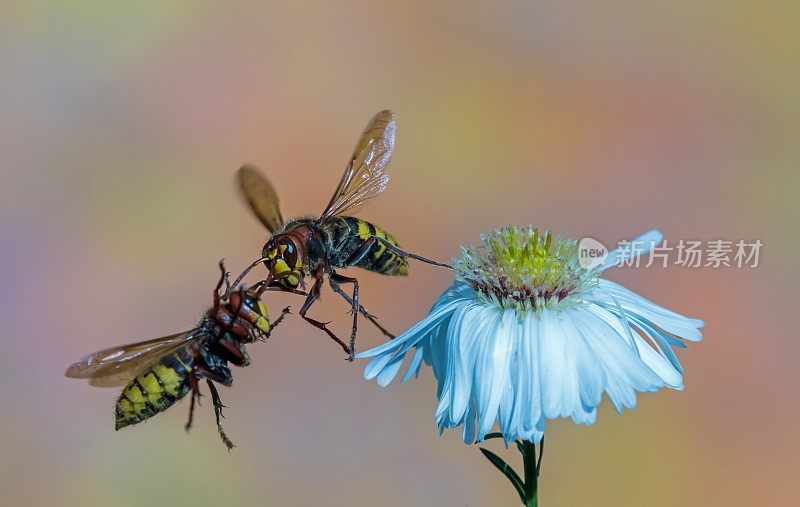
(528, 487)
(531, 467)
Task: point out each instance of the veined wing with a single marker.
(365, 176)
(119, 365)
(261, 196)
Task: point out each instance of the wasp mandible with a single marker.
(317, 247)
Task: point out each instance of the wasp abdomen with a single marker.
(154, 391)
(346, 245)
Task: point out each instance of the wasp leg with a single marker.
(313, 295)
(227, 281)
(335, 286)
(277, 321)
(257, 334)
(360, 252)
(222, 279)
(195, 393)
(218, 406)
(224, 377)
(355, 307)
(235, 353)
(275, 288)
(406, 255)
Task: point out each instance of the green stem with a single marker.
(528, 451)
(528, 487)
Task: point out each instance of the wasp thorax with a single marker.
(284, 263)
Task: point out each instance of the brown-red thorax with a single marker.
(243, 315)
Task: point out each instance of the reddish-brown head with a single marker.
(283, 256)
(244, 313)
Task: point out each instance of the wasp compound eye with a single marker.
(290, 254)
(250, 302)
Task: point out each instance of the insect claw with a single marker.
(225, 440)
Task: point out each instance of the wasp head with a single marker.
(249, 306)
(283, 261)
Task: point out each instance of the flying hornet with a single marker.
(317, 247)
(158, 373)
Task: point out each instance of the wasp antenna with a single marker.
(264, 284)
(247, 270)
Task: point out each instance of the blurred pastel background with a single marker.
(122, 125)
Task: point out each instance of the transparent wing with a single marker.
(365, 176)
(117, 366)
(261, 196)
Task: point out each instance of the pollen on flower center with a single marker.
(520, 268)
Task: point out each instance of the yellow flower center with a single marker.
(523, 269)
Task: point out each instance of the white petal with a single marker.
(462, 349)
(498, 361)
(591, 376)
(661, 340)
(520, 401)
(529, 401)
(638, 246)
(413, 335)
(480, 366)
(625, 371)
(559, 375)
(672, 322)
(508, 416)
(435, 354)
(389, 371)
(660, 365)
(388, 357)
(413, 367)
(469, 430)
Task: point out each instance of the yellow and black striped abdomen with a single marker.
(378, 257)
(154, 391)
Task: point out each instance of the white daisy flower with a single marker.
(526, 334)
